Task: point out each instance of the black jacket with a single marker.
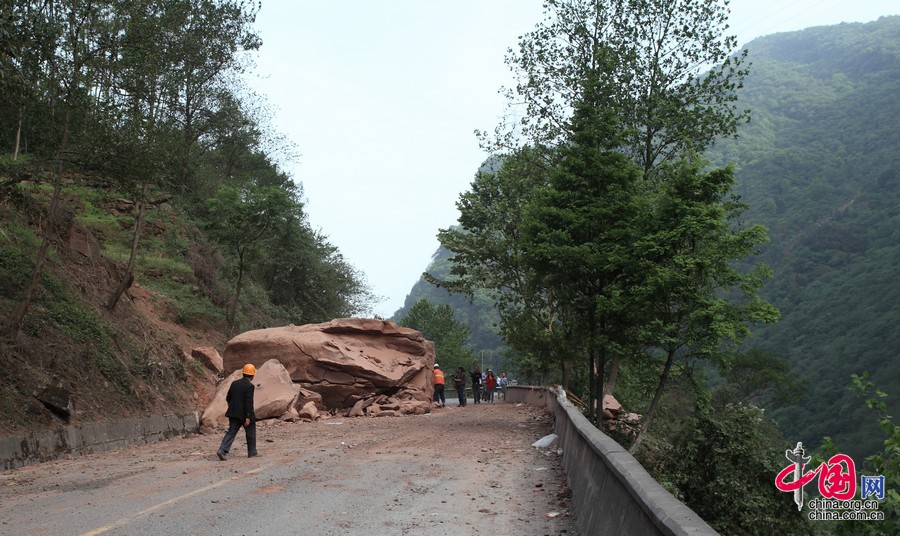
(240, 400)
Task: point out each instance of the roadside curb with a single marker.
(76, 440)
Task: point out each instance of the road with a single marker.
(458, 471)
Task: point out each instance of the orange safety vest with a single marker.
(438, 377)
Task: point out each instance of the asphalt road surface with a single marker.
(457, 471)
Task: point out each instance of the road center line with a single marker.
(128, 519)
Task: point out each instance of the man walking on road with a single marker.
(438, 385)
(240, 413)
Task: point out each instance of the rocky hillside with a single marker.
(131, 361)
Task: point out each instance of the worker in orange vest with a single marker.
(438, 385)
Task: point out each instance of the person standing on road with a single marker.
(459, 380)
(240, 413)
(490, 381)
(476, 385)
(438, 385)
(502, 382)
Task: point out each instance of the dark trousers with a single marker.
(439, 393)
(476, 393)
(461, 394)
(233, 426)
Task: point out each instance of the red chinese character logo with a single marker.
(834, 482)
(837, 476)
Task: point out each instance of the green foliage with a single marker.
(78, 323)
(885, 462)
(583, 258)
(818, 167)
(437, 324)
(758, 377)
(723, 466)
(488, 256)
(579, 230)
(667, 65)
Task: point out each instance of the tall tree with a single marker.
(696, 300)
(580, 230)
(489, 253)
(70, 65)
(242, 220)
(674, 79)
(202, 48)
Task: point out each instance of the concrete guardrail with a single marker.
(37, 447)
(611, 492)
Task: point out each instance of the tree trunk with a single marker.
(128, 276)
(645, 424)
(610, 386)
(18, 133)
(15, 323)
(597, 375)
(237, 293)
(566, 367)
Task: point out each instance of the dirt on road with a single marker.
(456, 471)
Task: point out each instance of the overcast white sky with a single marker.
(381, 99)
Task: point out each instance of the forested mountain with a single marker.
(819, 165)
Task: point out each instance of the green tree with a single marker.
(674, 77)
(760, 378)
(722, 465)
(696, 300)
(580, 229)
(885, 462)
(70, 65)
(437, 324)
(488, 258)
(241, 220)
(198, 50)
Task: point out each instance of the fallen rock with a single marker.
(415, 407)
(309, 411)
(82, 241)
(610, 403)
(358, 409)
(209, 357)
(58, 400)
(345, 360)
(291, 415)
(274, 395)
(305, 395)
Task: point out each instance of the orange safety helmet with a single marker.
(249, 370)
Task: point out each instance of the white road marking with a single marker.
(125, 520)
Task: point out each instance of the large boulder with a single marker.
(345, 360)
(209, 357)
(275, 394)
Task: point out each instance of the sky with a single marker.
(381, 100)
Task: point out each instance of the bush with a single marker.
(724, 467)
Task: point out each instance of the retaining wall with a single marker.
(611, 492)
(37, 447)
